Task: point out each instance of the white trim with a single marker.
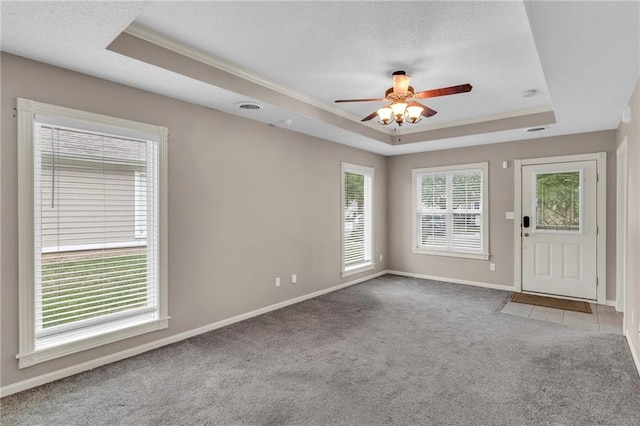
(601, 216)
(601, 238)
(98, 246)
(622, 178)
(610, 302)
(26, 223)
(517, 226)
(451, 168)
(78, 115)
(127, 353)
(452, 280)
(42, 355)
(358, 269)
(562, 159)
(484, 168)
(433, 252)
(88, 365)
(634, 352)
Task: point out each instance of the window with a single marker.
(558, 201)
(451, 214)
(357, 219)
(92, 230)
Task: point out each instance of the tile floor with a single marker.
(602, 318)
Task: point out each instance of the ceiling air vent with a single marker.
(536, 129)
(249, 106)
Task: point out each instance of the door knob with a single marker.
(525, 234)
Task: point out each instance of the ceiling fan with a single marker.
(403, 106)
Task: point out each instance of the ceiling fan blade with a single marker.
(426, 111)
(361, 100)
(370, 116)
(444, 91)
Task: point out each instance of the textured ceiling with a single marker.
(333, 50)
(582, 57)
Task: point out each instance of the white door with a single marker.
(559, 229)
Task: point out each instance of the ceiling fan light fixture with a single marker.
(402, 98)
(384, 115)
(414, 113)
(400, 83)
(398, 108)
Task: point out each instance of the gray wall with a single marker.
(247, 203)
(501, 200)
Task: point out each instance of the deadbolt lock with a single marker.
(525, 234)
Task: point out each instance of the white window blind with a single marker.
(357, 217)
(140, 204)
(92, 230)
(88, 195)
(450, 209)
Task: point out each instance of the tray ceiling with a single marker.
(295, 58)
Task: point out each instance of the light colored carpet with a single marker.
(392, 350)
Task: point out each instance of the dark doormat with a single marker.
(551, 302)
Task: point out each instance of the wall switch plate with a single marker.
(492, 267)
(294, 278)
(277, 281)
(511, 215)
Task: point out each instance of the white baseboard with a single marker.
(452, 280)
(98, 362)
(634, 352)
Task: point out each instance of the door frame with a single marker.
(622, 182)
(601, 217)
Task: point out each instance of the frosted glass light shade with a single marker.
(384, 115)
(413, 113)
(399, 108)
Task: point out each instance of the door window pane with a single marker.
(558, 201)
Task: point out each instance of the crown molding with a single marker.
(180, 48)
(482, 119)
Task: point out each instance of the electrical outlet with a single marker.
(380, 258)
(492, 267)
(294, 278)
(277, 281)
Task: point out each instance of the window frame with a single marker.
(416, 211)
(369, 174)
(108, 332)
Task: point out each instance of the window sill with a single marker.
(48, 348)
(481, 256)
(358, 269)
